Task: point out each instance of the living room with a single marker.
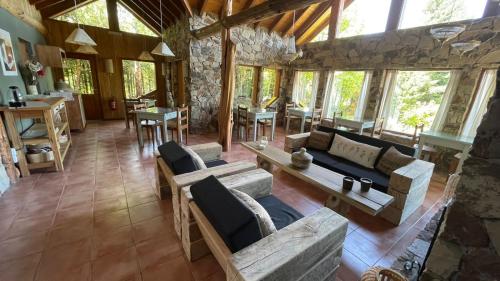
(249, 140)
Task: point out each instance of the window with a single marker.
(427, 12)
(305, 86)
(347, 93)
(94, 14)
(322, 36)
(129, 23)
(480, 105)
(244, 85)
(269, 84)
(139, 78)
(364, 17)
(417, 97)
(78, 74)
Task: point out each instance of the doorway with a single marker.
(80, 72)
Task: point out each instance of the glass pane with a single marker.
(139, 78)
(364, 17)
(94, 14)
(129, 23)
(268, 83)
(416, 99)
(244, 85)
(427, 12)
(78, 74)
(304, 88)
(346, 91)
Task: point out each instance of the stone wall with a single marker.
(203, 85)
(411, 49)
(468, 245)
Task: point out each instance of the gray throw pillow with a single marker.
(196, 158)
(357, 152)
(393, 160)
(266, 224)
(319, 140)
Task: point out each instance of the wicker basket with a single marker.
(382, 274)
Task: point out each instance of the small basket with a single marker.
(382, 274)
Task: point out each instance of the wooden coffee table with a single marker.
(340, 200)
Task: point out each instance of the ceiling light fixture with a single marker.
(79, 36)
(162, 49)
(86, 49)
(464, 47)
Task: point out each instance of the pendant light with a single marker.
(145, 55)
(79, 36)
(162, 49)
(86, 49)
(291, 48)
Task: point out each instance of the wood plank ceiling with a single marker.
(308, 21)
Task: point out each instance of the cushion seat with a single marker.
(281, 214)
(215, 163)
(351, 169)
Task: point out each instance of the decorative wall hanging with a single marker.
(7, 57)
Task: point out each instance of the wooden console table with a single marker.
(371, 202)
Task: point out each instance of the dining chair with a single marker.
(293, 118)
(180, 123)
(242, 120)
(377, 127)
(315, 119)
(267, 122)
(129, 111)
(149, 125)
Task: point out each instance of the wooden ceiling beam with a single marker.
(62, 7)
(173, 3)
(155, 8)
(304, 17)
(42, 4)
(395, 13)
(187, 7)
(335, 18)
(321, 23)
(254, 14)
(204, 6)
(248, 4)
(277, 25)
(147, 16)
(492, 9)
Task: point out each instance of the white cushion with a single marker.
(199, 162)
(359, 153)
(266, 224)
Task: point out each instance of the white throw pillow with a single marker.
(199, 162)
(360, 153)
(266, 224)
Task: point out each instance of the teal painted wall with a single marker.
(19, 29)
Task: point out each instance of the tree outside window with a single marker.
(305, 88)
(129, 23)
(139, 78)
(244, 85)
(94, 14)
(268, 84)
(78, 75)
(415, 99)
(345, 92)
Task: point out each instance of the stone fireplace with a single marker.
(468, 244)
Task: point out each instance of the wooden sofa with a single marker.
(307, 249)
(167, 183)
(408, 185)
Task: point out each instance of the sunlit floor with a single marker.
(99, 220)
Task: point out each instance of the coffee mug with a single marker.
(366, 184)
(347, 183)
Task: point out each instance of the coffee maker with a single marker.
(16, 97)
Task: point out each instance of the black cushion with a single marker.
(351, 169)
(281, 214)
(177, 158)
(234, 222)
(215, 163)
(385, 145)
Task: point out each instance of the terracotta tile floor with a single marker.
(99, 220)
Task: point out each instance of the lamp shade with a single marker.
(80, 37)
(108, 66)
(162, 50)
(85, 49)
(145, 55)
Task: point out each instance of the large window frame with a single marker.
(298, 90)
(146, 90)
(257, 98)
(333, 97)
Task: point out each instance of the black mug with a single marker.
(366, 184)
(347, 183)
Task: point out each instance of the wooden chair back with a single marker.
(182, 122)
(139, 106)
(315, 119)
(288, 106)
(416, 134)
(242, 120)
(377, 127)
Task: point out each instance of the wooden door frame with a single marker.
(95, 77)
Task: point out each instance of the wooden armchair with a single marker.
(307, 249)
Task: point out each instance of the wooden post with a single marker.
(335, 18)
(256, 83)
(181, 95)
(492, 9)
(227, 73)
(113, 15)
(395, 13)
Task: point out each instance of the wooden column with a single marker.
(181, 94)
(395, 13)
(227, 72)
(113, 15)
(492, 9)
(335, 18)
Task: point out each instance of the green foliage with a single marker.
(306, 79)
(440, 11)
(347, 90)
(94, 14)
(244, 84)
(78, 74)
(268, 83)
(139, 78)
(129, 23)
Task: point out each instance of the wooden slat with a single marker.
(320, 24)
(62, 7)
(254, 14)
(335, 18)
(149, 19)
(154, 8)
(40, 4)
(173, 3)
(395, 13)
(187, 7)
(282, 22)
(204, 5)
(302, 18)
(113, 15)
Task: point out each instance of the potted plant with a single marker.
(36, 70)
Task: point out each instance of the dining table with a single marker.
(356, 123)
(255, 114)
(302, 113)
(129, 107)
(160, 114)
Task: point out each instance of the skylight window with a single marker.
(94, 14)
(129, 23)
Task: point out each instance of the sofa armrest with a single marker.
(308, 249)
(412, 175)
(293, 142)
(208, 151)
